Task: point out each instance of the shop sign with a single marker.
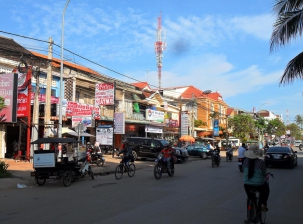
(119, 123)
(70, 108)
(216, 128)
(41, 98)
(86, 121)
(9, 91)
(184, 123)
(104, 135)
(104, 94)
(154, 115)
(153, 129)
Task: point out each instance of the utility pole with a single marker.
(47, 106)
(192, 116)
(35, 127)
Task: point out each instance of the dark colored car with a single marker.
(149, 148)
(199, 150)
(281, 156)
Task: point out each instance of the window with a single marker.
(77, 96)
(128, 109)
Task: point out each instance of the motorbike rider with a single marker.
(127, 153)
(266, 147)
(229, 151)
(216, 152)
(167, 152)
(254, 174)
(241, 151)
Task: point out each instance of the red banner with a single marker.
(24, 84)
(41, 97)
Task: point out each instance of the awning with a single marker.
(205, 133)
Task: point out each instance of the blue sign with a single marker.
(216, 128)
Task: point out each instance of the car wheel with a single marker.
(296, 162)
(203, 155)
(292, 165)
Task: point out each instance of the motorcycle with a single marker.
(82, 168)
(94, 156)
(240, 164)
(161, 167)
(215, 159)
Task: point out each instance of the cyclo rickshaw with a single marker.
(48, 166)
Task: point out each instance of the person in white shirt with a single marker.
(241, 151)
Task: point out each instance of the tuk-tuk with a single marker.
(48, 164)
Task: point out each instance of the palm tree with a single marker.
(288, 25)
(299, 120)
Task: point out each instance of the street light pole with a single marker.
(260, 139)
(61, 73)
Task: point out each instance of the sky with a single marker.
(217, 45)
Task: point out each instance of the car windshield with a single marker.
(164, 142)
(278, 149)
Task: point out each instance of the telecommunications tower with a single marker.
(160, 46)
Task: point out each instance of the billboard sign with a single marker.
(184, 123)
(104, 94)
(154, 115)
(104, 135)
(9, 91)
(119, 123)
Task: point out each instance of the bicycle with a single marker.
(254, 211)
(122, 168)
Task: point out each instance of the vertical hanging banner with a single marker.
(24, 82)
(184, 123)
(119, 123)
(216, 128)
(9, 91)
(104, 94)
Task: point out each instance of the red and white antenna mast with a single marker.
(160, 46)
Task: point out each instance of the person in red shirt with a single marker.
(167, 152)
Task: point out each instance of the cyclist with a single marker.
(127, 153)
(167, 152)
(254, 175)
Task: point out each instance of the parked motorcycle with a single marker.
(82, 168)
(215, 158)
(94, 156)
(240, 164)
(161, 167)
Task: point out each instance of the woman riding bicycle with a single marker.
(254, 173)
(127, 153)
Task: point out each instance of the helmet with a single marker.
(166, 145)
(88, 143)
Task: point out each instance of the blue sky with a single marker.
(213, 45)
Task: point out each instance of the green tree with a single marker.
(299, 120)
(275, 127)
(294, 130)
(199, 123)
(288, 25)
(242, 126)
(2, 106)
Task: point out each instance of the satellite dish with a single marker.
(207, 92)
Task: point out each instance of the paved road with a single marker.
(197, 193)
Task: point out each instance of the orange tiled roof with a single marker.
(141, 85)
(190, 91)
(57, 63)
(215, 96)
(229, 111)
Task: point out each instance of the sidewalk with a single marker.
(21, 171)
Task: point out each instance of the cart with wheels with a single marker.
(47, 166)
